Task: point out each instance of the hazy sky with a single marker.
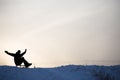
(60, 32)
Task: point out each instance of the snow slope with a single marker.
(69, 72)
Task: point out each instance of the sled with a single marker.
(21, 66)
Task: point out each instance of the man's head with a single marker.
(18, 52)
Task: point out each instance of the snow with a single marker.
(68, 72)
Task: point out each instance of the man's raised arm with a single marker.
(24, 52)
(11, 54)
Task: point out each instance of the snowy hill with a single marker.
(69, 72)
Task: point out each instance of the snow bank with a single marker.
(70, 72)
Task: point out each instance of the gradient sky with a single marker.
(60, 32)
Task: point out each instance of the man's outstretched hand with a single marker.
(25, 50)
(6, 51)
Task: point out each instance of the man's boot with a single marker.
(28, 64)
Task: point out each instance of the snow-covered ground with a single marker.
(69, 72)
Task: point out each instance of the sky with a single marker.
(61, 32)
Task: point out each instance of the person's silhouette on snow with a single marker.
(19, 59)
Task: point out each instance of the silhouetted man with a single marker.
(18, 58)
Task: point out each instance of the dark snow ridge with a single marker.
(70, 72)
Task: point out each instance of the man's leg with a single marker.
(25, 62)
(18, 62)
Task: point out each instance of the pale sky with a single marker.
(61, 32)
